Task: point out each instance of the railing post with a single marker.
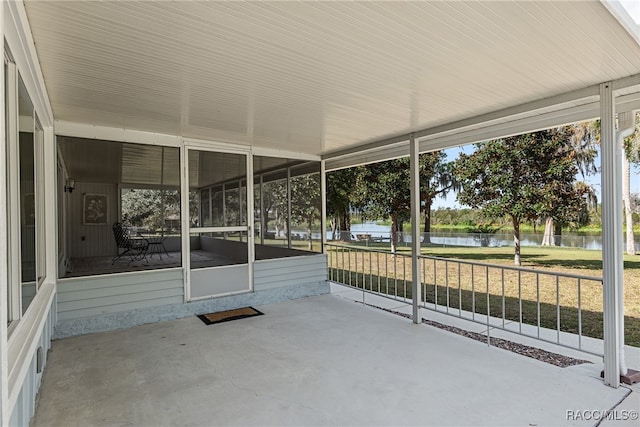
(415, 226)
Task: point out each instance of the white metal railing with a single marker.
(560, 308)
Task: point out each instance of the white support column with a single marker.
(612, 249)
(250, 220)
(415, 227)
(51, 203)
(323, 205)
(289, 208)
(184, 221)
(224, 207)
(263, 222)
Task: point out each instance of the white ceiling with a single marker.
(316, 77)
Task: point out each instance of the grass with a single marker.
(466, 287)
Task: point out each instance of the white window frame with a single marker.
(14, 208)
(13, 214)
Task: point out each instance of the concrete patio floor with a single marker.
(315, 361)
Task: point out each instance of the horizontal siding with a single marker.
(91, 296)
(317, 273)
(119, 299)
(112, 280)
(25, 405)
(290, 271)
(305, 260)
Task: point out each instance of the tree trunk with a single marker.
(345, 227)
(394, 233)
(264, 220)
(427, 224)
(516, 240)
(334, 228)
(626, 197)
(548, 238)
(309, 234)
(557, 231)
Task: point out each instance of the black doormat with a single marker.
(228, 315)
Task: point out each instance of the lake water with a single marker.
(457, 238)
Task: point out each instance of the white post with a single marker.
(250, 217)
(184, 220)
(612, 249)
(289, 207)
(51, 203)
(323, 205)
(415, 226)
(263, 221)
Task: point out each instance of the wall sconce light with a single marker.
(71, 185)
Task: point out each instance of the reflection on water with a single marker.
(376, 232)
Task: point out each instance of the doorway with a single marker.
(220, 241)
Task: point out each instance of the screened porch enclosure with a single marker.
(104, 183)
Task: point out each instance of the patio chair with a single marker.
(134, 247)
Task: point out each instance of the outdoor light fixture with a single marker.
(71, 185)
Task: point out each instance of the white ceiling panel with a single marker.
(316, 77)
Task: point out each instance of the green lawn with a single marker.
(377, 269)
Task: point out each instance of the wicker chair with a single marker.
(133, 247)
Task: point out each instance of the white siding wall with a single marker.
(103, 303)
(24, 407)
(91, 296)
(283, 272)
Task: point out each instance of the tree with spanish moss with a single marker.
(583, 138)
(436, 180)
(340, 202)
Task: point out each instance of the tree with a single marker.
(522, 177)
(340, 185)
(382, 191)
(149, 208)
(305, 206)
(274, 206)
(584, 138)
(436, 180)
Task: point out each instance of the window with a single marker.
(25, 185)
(30, 197)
